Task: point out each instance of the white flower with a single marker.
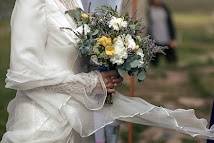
(141, 54)
(117, 60)
(117, 23)
(124, 24)
(120, 51)
(130, 43)
(86, 29)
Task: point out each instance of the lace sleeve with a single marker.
(86, 88)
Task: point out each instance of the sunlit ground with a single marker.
(187, 85)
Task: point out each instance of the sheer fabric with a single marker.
(56, 99)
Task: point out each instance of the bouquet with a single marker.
(114, 42)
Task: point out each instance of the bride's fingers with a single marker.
(117, 81)
(112, 83)
(110, 74)
(110, 86)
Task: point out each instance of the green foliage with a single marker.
(136, 62)
(141, 76)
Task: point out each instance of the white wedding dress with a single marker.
(56, 100)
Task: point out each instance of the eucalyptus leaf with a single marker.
(95, 32)
(141, 76)
(135, 63)
(121, 72)
(127, 66)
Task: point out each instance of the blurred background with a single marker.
(187, 84)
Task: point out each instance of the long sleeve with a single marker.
(28, 71)
(28, 39)
(29, 33)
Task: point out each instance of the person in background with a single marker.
(162, 30)
(211, 122)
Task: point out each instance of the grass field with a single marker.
(192, 6)
(187, 85)
(5, 94)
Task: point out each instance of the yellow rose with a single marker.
(84, 15)
(105, 41)
(109, 50)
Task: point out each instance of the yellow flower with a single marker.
(105, 41)
(109, 50)
(84, 15)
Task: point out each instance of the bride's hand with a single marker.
(112, 80)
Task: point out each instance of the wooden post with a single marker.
(131, 79)
(134, 9)
(132, 93)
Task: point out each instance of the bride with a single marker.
(56, 98)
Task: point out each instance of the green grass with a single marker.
(195, 37)
(202, 83)
(5, 94)
(192, 6)
(188, 141)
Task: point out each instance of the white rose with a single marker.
(114, 23)
(117, 23)
(117, 60)
(124, 24)
(120, 51)
(86, 29)
(130, 43)
(121, 22)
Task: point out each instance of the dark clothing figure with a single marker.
(211, 123)
(162, 30)
(169, 54)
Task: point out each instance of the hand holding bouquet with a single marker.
(113, 42)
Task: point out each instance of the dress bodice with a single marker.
(61, 44)
(43, 51)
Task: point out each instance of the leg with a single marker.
(100, 134)
(155, 61)
(171, 56)
(109, 134)
(112, 132)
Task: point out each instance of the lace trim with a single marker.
(86, 88)
(82, 81)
